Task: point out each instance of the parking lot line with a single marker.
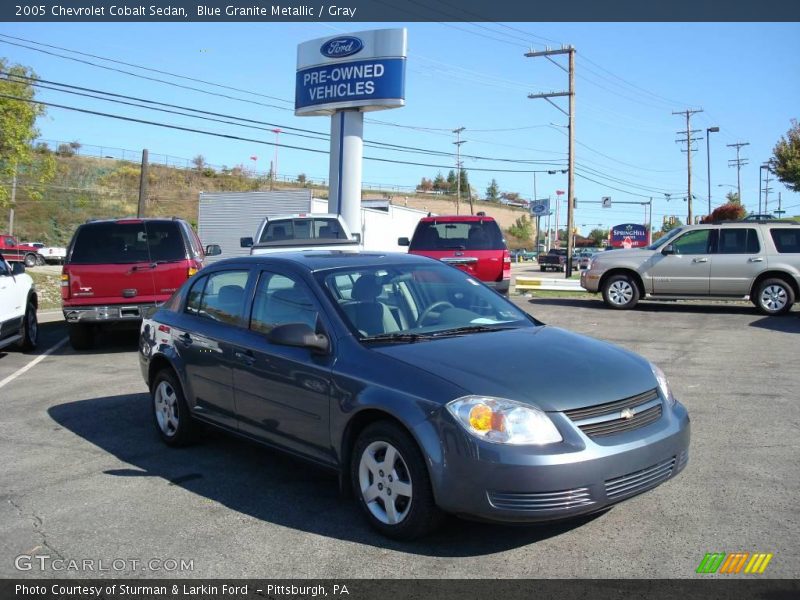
(33, 363)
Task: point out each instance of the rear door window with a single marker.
(738, 241)
(462, 235)
(787, 240)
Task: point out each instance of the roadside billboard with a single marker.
(628, 235)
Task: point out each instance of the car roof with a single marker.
(132, 220)
(321, 260)
(456, 218)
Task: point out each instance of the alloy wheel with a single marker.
(774, 298)
(385, 483)
(620, 292)
(165, 403)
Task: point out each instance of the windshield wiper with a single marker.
(396, 337)
(468, 329)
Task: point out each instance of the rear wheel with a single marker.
(30, 260)
(40, 260)
(173, 421)
(30, 329)
(774, 297)
(81, 336)
(620, 292)
(391, 483)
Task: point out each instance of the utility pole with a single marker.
(738, 163)
(767, 189)
(709, 131)
(13, 200)
(275, 160)
(143, 185)
(547, 53)
(458, 143)
(688, 141)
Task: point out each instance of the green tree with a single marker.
(439, 184)
(669, 227)
(733, 197)
(451, 182)
(18, 156)
(598, 235)
(464, 182)
(522, 228)
(786, 158)
(493, 191)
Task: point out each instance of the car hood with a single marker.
(548, 367)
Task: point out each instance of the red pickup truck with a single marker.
(13, 251)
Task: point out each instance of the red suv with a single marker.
(474, 244)
(116, 268)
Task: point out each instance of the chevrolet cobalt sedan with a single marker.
(427, 391)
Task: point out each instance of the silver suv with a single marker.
(759, 261)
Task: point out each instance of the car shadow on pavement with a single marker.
(49, 334)
(649, 306)
(787, 324)
(267, 484)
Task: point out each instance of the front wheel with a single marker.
(390, 481)
(30, 329)
(621, 292)
(774, 297)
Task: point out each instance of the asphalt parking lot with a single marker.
(85, 476)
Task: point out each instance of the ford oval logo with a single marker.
(341, 47)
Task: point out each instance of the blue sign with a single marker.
(628, 235)
(353, 83)
(341, 47)
(540, 207)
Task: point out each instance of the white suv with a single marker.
(18, 303)
(757, 261)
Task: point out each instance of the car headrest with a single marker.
(366, 288)
(230, 294)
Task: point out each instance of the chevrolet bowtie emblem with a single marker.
(627, 413)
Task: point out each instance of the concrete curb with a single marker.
(536, 283)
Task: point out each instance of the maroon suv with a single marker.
(473, 244)
(116, 268)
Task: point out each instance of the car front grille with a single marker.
(619, 416)
(639, 481)
(541, 501)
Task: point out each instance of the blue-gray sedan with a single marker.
(428, 392)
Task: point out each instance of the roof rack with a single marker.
(758, 222)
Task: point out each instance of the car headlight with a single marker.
(504, 421)
(663, 384)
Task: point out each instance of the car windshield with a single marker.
(661, 241)
(404, 303)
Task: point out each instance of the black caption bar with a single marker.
(363, 589)
(398, 10)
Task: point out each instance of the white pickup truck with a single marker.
(303, 231)
(53, 254)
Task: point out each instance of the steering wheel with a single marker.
(441, 304)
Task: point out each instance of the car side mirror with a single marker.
(246, 242)
(213, 250)
(668, 249)
(299, 335)
(17, 268)
(357, 237)
(403, 241)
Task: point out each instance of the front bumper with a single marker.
(590, 280)
(578, 476)
(105, 314)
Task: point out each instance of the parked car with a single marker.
(301, 232)
(473, 244)
(18, 304)
(414, 383)
(53, 254)
(13, 251)
(117, 268)
(757, 261)
(522, 255)
(584, 258)
(555, 260)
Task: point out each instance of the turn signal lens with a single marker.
(64, 280)
(504, 421)
(192, 271)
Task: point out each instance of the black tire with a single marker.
(774, 297)
(423, 516)
(542, 268)
(30, 329)
(620, 292)
(30, 260)
(184, 431)
(40, 260)
(81, 336)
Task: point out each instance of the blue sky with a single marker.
(630, 77)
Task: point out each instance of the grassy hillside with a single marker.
(87, 187)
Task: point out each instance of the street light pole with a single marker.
(709, 131)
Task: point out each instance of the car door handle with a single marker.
(185, 338)
(245, 356)
(756, 259)
(700, 260)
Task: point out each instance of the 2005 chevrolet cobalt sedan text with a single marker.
(426, 390)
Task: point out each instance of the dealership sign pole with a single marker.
(344, 76)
